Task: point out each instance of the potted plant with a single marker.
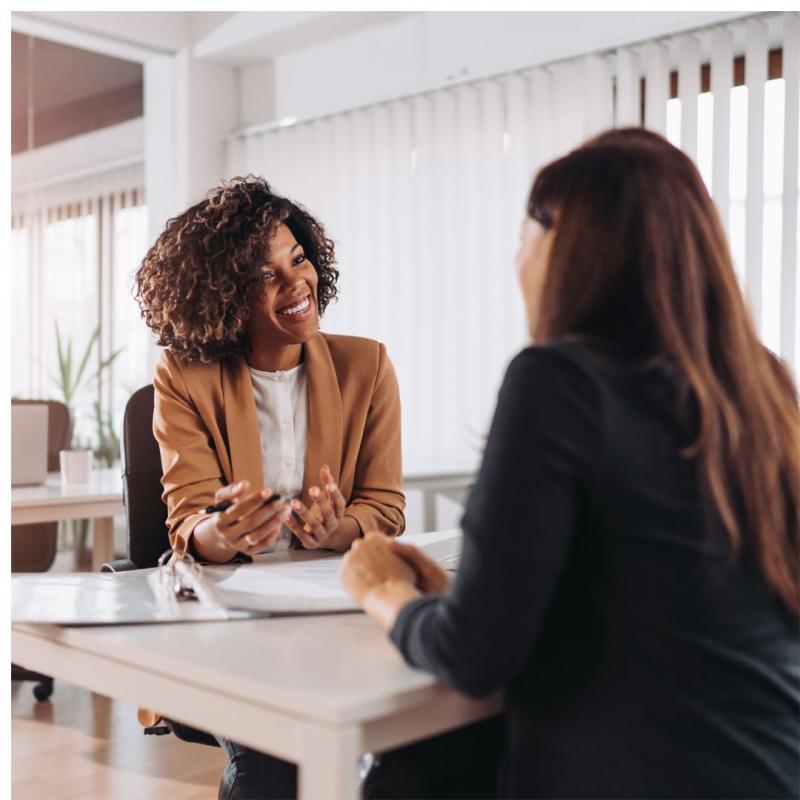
(72, 380)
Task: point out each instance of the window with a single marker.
(59, 91)
(72, 266)
(773, 155)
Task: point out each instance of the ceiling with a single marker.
(232, 37)
(238, 38)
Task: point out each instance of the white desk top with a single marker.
(433, 473)
(105, 485)
(329, 668)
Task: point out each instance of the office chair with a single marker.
(146, 514)
(33, 547)
(145, 511)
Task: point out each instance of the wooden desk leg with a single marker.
(102, 542)
(331, 770)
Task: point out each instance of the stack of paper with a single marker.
(297, 581)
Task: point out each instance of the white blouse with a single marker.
(282, 410)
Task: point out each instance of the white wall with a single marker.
(190, 106)
(87, 152)
(210, 92)
(161, 136)
(421, 52)
(256, 92)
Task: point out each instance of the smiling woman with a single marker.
(251, 400)
(201, 280)
(284, 311)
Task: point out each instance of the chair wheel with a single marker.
(43, 690)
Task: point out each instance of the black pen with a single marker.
(226, 504)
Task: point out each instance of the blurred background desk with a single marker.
(100, 500)
(432, 483)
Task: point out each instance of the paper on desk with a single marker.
(291, 586)
(291, 582)
(305, 582)
(100, 599)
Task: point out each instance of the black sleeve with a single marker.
(537, 473)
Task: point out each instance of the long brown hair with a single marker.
(639, 252)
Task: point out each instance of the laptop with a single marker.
(28, 444)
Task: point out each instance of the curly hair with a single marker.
(194, 284)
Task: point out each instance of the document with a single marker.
(307, 581)
(103, 599)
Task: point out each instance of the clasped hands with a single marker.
(382, 575)
(251, 527)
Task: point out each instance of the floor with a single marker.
(81, 746)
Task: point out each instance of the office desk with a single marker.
(99, 500)
(319, 691)
(453, 483)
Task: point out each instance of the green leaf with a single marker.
(58, 341)
(105, 364)
(86, 353)
(110, 360)
(69, 385)
(63, 383)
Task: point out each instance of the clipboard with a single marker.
(113, 598)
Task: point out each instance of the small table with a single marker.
(454, 483)
(99, 500)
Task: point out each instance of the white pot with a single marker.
(76, 466)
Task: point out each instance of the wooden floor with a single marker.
(81, 746)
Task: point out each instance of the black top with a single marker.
(640, 659)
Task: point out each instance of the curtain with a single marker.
(424, 195)
(74, 248)
(740, 125)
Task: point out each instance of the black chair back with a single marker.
(141, 482)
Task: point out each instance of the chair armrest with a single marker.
(120, 565)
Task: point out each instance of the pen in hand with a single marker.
(226, 504)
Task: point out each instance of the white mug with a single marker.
(76, 466)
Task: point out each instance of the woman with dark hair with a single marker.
(631, 548)
(251, 400)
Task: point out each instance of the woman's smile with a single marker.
(297, 309)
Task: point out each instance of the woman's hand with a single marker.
(315, 527)
(431, 578)
(248, 526)
(377, 578)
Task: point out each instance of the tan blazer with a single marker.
(206, 426)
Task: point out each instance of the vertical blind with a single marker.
(424, 195)
(74, 247)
